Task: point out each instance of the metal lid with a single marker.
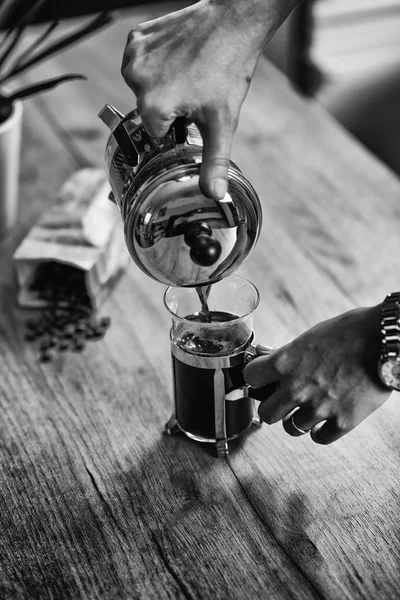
(180, 237)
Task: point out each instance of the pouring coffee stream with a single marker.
(185, 240)
(203, 293)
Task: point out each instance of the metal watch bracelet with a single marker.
(390, 326)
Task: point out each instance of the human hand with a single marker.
(198, 63)
(329, 373)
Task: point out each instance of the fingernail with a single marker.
(220, 187)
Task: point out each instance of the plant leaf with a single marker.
(27, 18)
(7, 8)
(18, 28)
(42, 86)
(97, 23)
(5, 37)
(13, 38)
(34, 45)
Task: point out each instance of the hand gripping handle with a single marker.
(260, 393)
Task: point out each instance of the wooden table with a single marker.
(95, 502)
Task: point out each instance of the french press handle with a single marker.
(263, 392)
(247, 391)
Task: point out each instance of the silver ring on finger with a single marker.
(290, 426)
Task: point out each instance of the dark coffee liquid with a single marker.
(194, 398)
(194, 386)
(213, 344)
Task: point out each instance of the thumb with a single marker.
(261, 349)
(261, 370)
(217, 142)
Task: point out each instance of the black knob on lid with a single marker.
(196, 230)
(204, 249)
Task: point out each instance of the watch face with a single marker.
(390, 373)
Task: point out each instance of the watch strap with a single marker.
(390, 326)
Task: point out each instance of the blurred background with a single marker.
(346, 54)
(343, 53)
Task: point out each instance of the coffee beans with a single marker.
(68, 321)
(70, 332)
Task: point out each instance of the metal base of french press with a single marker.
(172, 427)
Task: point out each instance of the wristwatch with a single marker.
(389, 359)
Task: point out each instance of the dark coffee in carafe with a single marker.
(194, 386)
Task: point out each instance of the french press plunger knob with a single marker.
(204, 249)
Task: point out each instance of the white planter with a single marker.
(10, 143)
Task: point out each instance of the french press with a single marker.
(184, 239)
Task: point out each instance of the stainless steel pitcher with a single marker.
(175, 233)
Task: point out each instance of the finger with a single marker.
(263, 350)
(306, 416)
(290, 425)
(217, 141)
(264, 392)
(328, 431)
(274, 408)
(156, 121)
(127, 55)
(260, 371)
(124, 64)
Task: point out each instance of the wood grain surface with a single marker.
(95, 502)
